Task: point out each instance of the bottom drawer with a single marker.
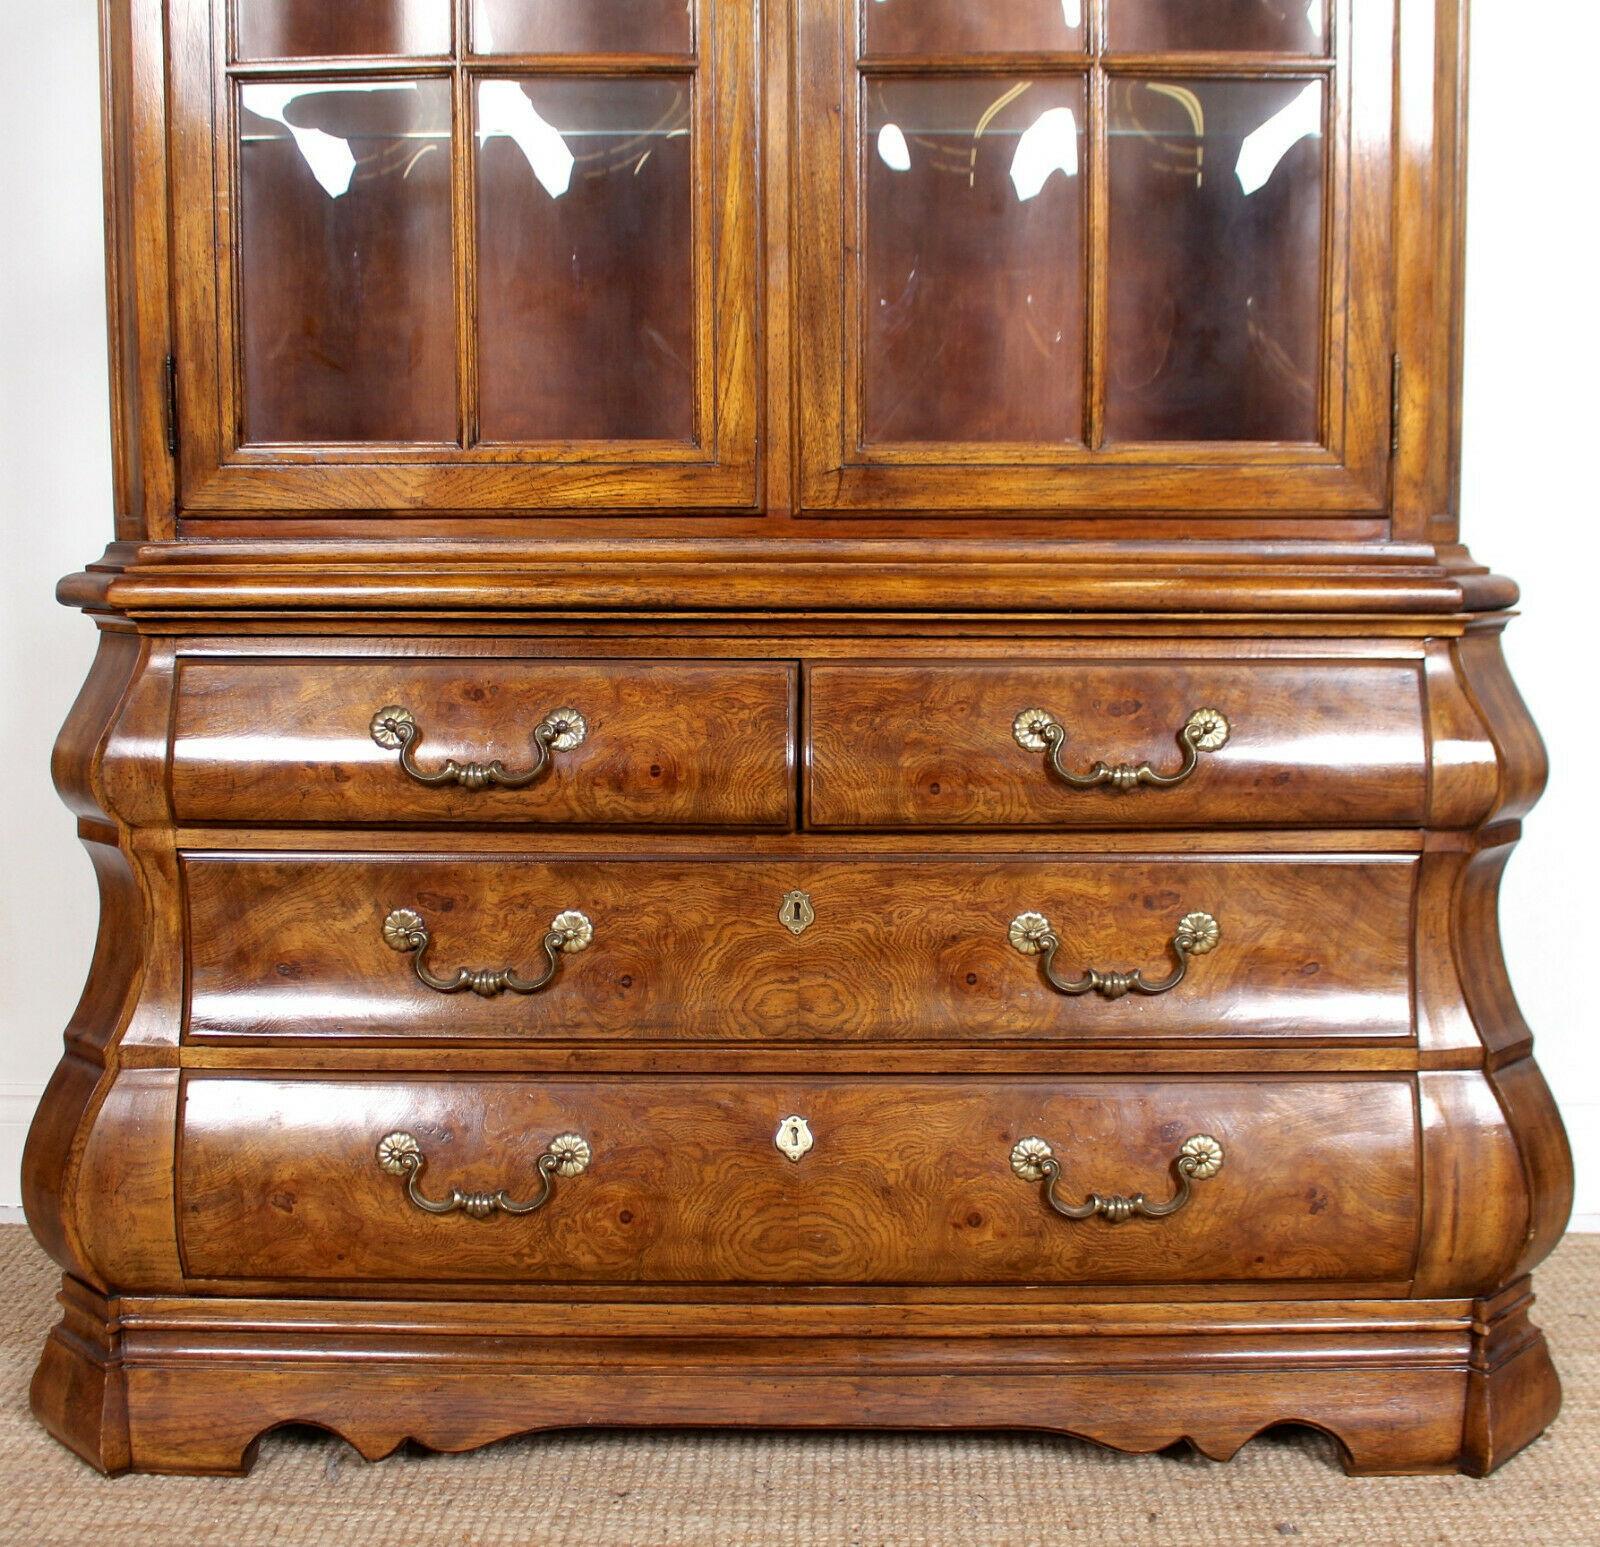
(691, 1181)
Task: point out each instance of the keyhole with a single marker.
(795, 912)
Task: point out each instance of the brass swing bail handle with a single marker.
(405, 930)
(1032, 934)
(395, 728)
(1037, 730)
(1200, 1158)
(399, 1154)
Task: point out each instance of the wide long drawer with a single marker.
(418, 740)
(1096, 744)
(991, 949)
(798, 1181)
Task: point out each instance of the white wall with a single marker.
(1530, 510)
(55, 513)
(1530, 506)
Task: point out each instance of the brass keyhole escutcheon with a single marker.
(796, 912)
(794, 1137)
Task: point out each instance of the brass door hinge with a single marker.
(172, 405)
(1394, 407)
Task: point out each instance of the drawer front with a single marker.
(659, 744)
(903, 1182)
(938, 746)
(902, 950)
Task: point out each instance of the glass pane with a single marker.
(581, 26)
(973, 302)
(310, 29)
(963, 27)
(585, 260)
(1284, 26)
(347, 291)
(1215, 277)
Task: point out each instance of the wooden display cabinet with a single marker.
(791, 730)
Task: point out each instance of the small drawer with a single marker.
(799, 1181)
(1149, 743)
(485, 740)
(988, 951)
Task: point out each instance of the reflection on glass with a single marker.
(582, 26)
(892, 148)
(1215, 280)
(1281, 26)
(585, 260)
(504, 108)
(346, 291)
(1264, 149)
(313, 29)
(1049, 144)
(973, 320)
(966, 27)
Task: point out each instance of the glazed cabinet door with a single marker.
(465, 254)
(1083, 256)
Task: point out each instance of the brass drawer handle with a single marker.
(404, 930)
(1033, 935)
(1201, 1156)
(1037, 730)
(559, 731)
(400, 1155)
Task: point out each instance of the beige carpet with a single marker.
(776, 1490)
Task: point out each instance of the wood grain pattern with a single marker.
(327, 575)
(911, 950)
(704, 745)
(51, 1160)
(204, 1155)
(930, 745)
(908, 1183)
(187, 1385)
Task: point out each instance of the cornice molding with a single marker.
(150, 582)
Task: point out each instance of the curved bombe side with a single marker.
(1497, 1169)
(1497, 1173)
(1496, 1176)
(97, 1173)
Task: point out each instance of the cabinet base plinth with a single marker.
(191, 1385)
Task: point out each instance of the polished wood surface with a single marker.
(907, 1182)
(799, 391)
(706, 745)
(930, 744)
(189, 1385)
(902, 950)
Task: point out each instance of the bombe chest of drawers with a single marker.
(790, 730)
